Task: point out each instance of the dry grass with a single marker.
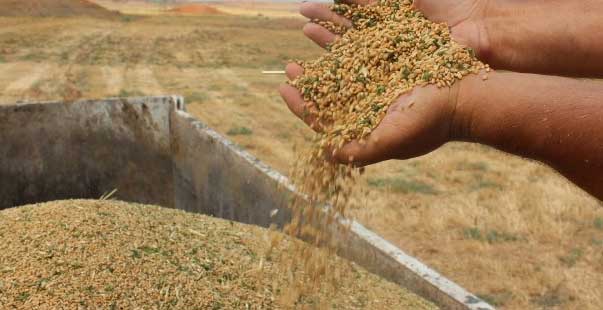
(539, 242)
(240, 8)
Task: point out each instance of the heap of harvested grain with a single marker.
(53, 8)
(115, 255)
(390, 49)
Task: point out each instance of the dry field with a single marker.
(510, 230)
(239, 7)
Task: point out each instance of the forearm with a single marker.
(555, 120)
(545, 36)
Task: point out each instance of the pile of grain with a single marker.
(390, 49)
(114, 255)
(57, 8)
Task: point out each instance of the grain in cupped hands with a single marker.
(390, 49)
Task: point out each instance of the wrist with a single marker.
(464, 98)
(555, 37)
(485, 30)
(493, 29)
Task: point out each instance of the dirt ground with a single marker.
(508, 229)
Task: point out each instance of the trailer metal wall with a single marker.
(153, 152)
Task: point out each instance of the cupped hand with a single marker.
(417, 123)
(466, 19)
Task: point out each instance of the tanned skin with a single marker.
(552, 119)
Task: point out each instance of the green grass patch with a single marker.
(572, 257)
(23, 296)
(135, 254)
(551, 299)
(239, 131)
(473, 233)
(403, 185)
(598, 223)
(33, 57)
(129, 93)
(496, 299)
(197, 97)
(127, 18)
(486, 184)
(494, 236)
(149, 250)
(284, 135)
(474, 166)
(491, 236)
(89, 290)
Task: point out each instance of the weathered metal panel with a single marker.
(214, 176)
(151, 151)
(55, 150)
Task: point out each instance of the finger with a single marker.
(322, 12)
(413, 125)
(445, 10)
(420, 5)
(293, 70)
(428, 7)
(376, 148)
(302, 109)
(319, 34)
(359, 2)
(384, 140)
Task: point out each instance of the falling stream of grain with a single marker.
(390, 50)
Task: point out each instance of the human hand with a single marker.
(415, 124)
(466, 19)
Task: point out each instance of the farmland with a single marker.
(510, 230)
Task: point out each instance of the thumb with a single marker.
(385, 140)
(430, 8)
(446, 11)
(417, 123)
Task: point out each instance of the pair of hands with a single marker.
(419, 121)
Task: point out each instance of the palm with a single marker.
(405, 131)
(464, 17)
